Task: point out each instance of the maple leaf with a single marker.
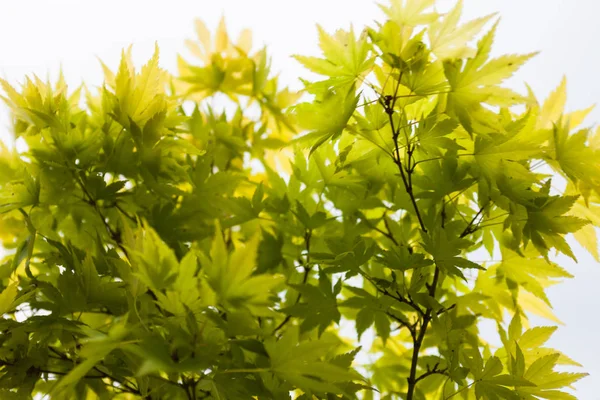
(433, 137)
(164, 233)
(139, 97)
(448, 39)
(546, 222)
(318, 307)
(301, 363)
(346, 58)
(588, 209)
(7, 298)
(575, 158)
(231, 276)
(503, 154)
(477, 81)
(554, 105)
(446, 250)
(535, 363)
(410, 12)
(325, 118)
(533, 273)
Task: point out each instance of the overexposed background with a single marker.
(38, 36)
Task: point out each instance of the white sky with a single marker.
(39, 36)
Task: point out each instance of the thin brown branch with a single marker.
(412, 379)
(389, 109)
(307, 237)
(403, 323)
(125, 383)
(469, 228)
(433, 371)
(398, 297)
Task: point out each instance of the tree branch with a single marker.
(123, 383)
(402, 322)
(432, 371)
(469, 228)
(307, 237)
(412, 379)
(407, 181)
(389, 109)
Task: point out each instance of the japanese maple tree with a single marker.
(163, 248)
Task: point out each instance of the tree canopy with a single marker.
(164, 247)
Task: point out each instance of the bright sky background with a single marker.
(39, 35)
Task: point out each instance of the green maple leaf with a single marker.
(525, 349)
(434, 137)
(108, 206)
(448, 39)
(573, 157)
(490, 382)
(326, 117)
(547, 223)
(153, 261)
(532, 273)
(410, 12)
(547, 381)
(231, 276)
(477, 81)
(440, 178)
(504, 154)
(446, 252)
(301, 363)
(319, 305)
(347, 58)
(20, 193)
(139, 96)
(7, 298)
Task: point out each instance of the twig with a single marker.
(389, 109)
(412, 379)
(398, 297)
(432, 371)
(307, 237)
(469, 228)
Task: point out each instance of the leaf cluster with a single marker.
(162, 248)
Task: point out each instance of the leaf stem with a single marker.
(243, 370)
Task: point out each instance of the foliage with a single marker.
(163, 249)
